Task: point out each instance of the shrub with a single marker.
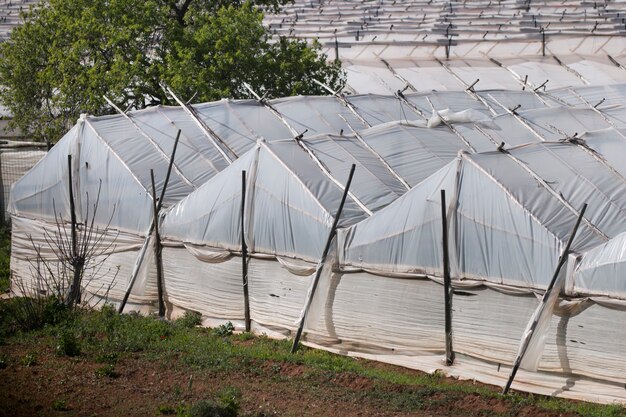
(189, 320)
(26, 314)
(68, 344)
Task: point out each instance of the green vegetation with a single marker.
(107, 337)
(69, 54)
(5, 258)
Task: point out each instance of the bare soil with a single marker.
(64, 386)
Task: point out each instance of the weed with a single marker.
(245, 336)
(166, 410)
(107, 371)
(208, 408)
(5, 258)
(224, 329)
(28, 360)
(60, 405)
(68, 344)
(189, 319)
(27, 314)
(110, 358)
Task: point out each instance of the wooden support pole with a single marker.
(447, 282)
(244, 254)
(533, 326)
(143, 249)
(158, 250)
(318, 272)
(74, 294)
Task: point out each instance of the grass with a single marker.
(106, 336)
(5, 258)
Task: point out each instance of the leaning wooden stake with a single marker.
(244, 253)
(318, 271)
(447, 283)
(144, 247)
(158, 249)
(533, 326)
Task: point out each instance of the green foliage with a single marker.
(5, 260)
(68, 344)
(189, 319)
(60, 405)
(70, 53)
(26, 314)
(166, 410)
(107, 336)
(28, 360)
(107, 371)
(228, 405)
(224, 329)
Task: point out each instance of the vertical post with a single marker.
(543, 42)
(157, 247)
(318, 271)
(533, 326)
(74, 294)
(447, 284)
(336, 49)
(244, 254)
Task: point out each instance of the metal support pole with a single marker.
(318, 272)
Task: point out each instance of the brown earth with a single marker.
(63, 386)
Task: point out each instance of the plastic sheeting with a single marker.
(602, 270)
(402, 321)
(290, 205)
(511, 235)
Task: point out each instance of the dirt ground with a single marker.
(64, 386)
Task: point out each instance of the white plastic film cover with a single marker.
(139, 155)
(602, 271)
(290, 206)
(196, 156)
(240, 123)
(373, 184)
(211, 215)
(317, 114)
(47, 182)
(414, 153)
(405, 236)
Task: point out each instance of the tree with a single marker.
(69, 54)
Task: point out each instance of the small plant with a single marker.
(30, 359)
(225, 329)
(189, 319)
(245, 336)
(166, 410)
(4, 361)
(68, 344)
(60, 405)
(110, 358)
(107, 371)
